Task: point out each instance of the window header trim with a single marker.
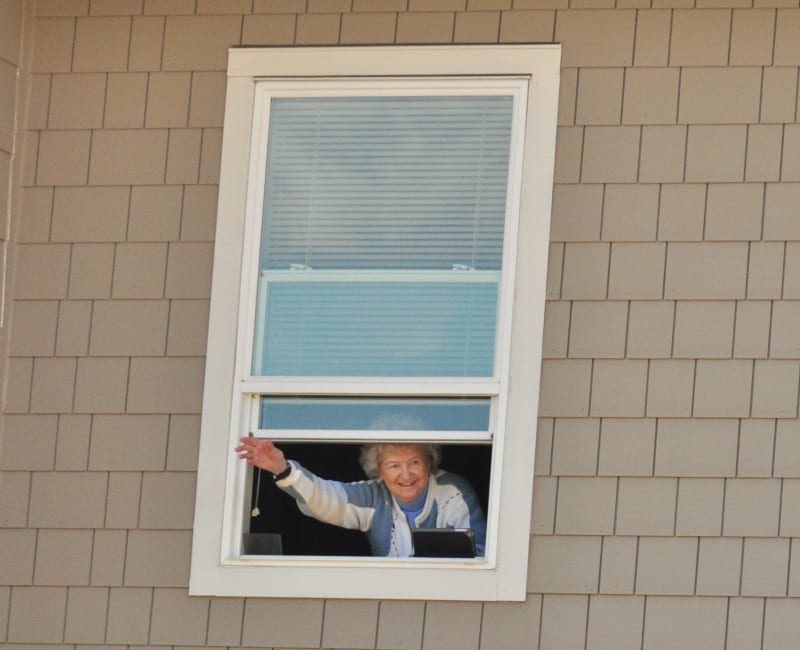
(392, 60)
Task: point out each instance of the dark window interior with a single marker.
(301, 535)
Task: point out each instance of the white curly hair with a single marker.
(372, 453)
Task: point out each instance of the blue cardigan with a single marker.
(370, 507)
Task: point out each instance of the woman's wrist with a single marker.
(284, 473)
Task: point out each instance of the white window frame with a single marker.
(230, 392)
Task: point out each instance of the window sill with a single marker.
(362, 578)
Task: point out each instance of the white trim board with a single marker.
(217, 567)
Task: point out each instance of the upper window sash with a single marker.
(483, 380)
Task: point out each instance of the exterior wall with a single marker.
(668, 466)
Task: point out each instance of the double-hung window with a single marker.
(379, 276)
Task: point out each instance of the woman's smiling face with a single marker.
(405, 472)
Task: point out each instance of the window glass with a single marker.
(376, 414)
(386, 182)
(382, 236)
(375, 328)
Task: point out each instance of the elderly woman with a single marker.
(406, 489)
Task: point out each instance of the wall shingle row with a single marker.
(164, 616)
(667, 447)
(662, 36)
(681, 330)
(661, 566)
(648, 212)
(635, 388)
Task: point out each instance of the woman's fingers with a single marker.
(249, 444)
(248, 448)
(262, 453)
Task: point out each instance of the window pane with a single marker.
(370, 329)
(356, 414)
(386, 182)
(392, 185)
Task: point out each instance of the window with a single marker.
(380, 259)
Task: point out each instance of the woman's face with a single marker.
(405, 472)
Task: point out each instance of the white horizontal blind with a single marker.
(404, 184)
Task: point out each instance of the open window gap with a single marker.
(280, 528)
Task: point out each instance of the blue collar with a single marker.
(417, 505)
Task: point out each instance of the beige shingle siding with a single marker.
(668, 465)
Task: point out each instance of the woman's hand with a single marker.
(262, 454)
